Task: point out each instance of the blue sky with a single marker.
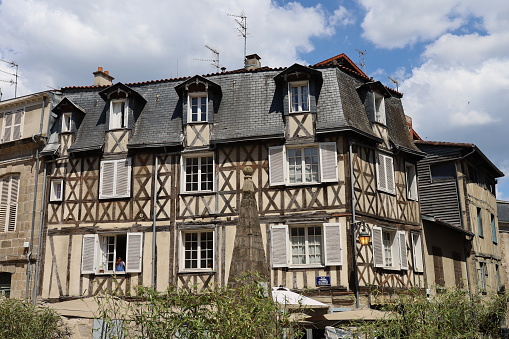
(450, 57)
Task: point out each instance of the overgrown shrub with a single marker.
(243, 310)
(452, 313)
(20, 319)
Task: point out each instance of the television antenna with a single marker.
(215, 61)
(396, 82)
(362, 62)
(241, 20)
(15, 75)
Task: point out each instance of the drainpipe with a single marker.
(29, 255)
(39, 243)
(353, 227)
(154, 219)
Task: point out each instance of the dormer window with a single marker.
(66, 122)
(118, 114)
(197, 107)
(379, 108)
(299, 96)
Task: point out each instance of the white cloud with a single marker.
(60, 43)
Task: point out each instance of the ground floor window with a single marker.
(197, 250)
(5, 284)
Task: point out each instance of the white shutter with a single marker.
(380, 172)
(417, 252)
(277, 160)
(88, 254)
(107, 179)
(13, 202)
(16, 127)
(279, 245)
(4, 203)
(123, 178)
(332, 244)
(134, 252)
(403, 254)
(116, 112)
(8, 120)
(378, 248)
(389, 172)
(328, 162)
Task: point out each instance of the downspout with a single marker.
(34, 207)
(154, 219)
(353, 227)
(39, 244)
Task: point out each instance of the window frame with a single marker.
(67, 123)
(480, 228)
(300, 103)
(199, 113)
(385, 181)
(12, 127)
(494, 237)
(183, 169)
(399, 255)
(279, 164)
(482, 276)
(182, 250)
(92, 253)
(117, 180)
(411, 182)
(418, 259)
(307, 245)
(53, 186)
(303, 164)
(379, 108)
(331, 245)
(118, 121)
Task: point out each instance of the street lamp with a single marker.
(358, 230)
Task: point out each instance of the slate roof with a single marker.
(503, 211)
(251, 108)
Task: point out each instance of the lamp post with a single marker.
(358, 229)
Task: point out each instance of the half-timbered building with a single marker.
(457, 188)
(151, 173)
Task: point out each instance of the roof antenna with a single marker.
(242, 27)
(362, 62)
(396, 82)
(15, 75)
(215, 61)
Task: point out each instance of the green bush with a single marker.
(19, 319)
(451, 313)
(243, 310)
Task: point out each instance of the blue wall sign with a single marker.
(323, 281)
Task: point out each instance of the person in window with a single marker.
(120, 265)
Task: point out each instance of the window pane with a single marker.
(304, 98)
(387, 248)
(297, 240)
(295, 165)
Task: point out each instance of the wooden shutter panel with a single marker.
(378, 249)
(13, 202)
(185, 108)
(458, 274)
(279, 245)
(7, 126)
(4, 204)
(210, 108)
(123, 178)
(332, 244)
(417, 252)
(328, 162)
(312, 96)
(107, 180)
(389, 172)
(134, 252)
(16, 128)
(286, 101)
(277, 160)
(380, 172)
(403, 254)
(369, 104)
(88, 254)
(438, 266)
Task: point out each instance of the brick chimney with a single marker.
(253, 62)
(102, 78)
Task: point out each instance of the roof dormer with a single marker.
(124, 106)
(201, 98)
(373, 94)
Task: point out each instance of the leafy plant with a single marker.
(20, 319)
(241, 310)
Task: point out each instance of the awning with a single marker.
(291, 299)
(354, 315)
(86, 307)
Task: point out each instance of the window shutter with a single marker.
(13, 202)
(438, 266)
(116, 114)
(403, 254)
(134, 252)
(286, 101)
(4, 200)
(312, 96)
(411, 182)
(107, 179)
(210, 108)
(277, 166)
(88, 254)
(380, 172)
(123, 178)
(369, 104)
(417, 252)
(458, 274)
(332, 244)
(279, 245)
(16, 127)
(378, 249)
(389, 172)
(328, 162)
(7, 126)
